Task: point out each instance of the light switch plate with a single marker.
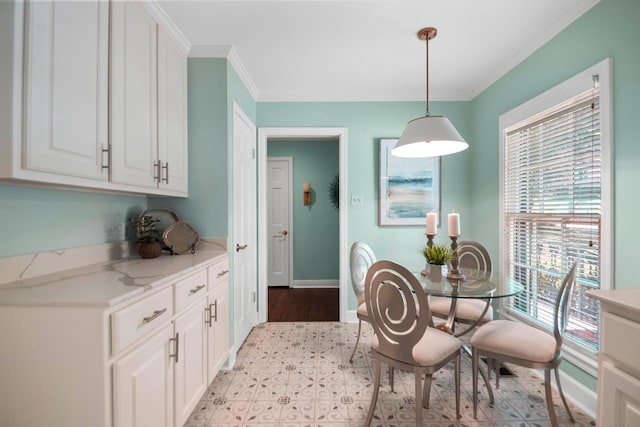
(356, 199)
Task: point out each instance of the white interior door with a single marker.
(279, 205)
(245, 260)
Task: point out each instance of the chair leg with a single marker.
(496, 367)
(426, 392)
(474, 380)
(391, 378)
(374, 396)
(564, 401)
(547, 393)
(457, 380)
(418, 380)
(357, 340)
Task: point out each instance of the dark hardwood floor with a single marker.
(303, 305)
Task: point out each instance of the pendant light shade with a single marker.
(429, 136)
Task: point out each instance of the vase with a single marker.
(436, 272)
(149, 249)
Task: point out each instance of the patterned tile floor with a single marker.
(299, 374)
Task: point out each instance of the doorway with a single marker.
(327, 134)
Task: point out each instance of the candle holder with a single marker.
(429, 239)
(453, 273)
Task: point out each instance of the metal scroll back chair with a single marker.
(361, 259)
(472, 256)
(399, 313)
(527, 346)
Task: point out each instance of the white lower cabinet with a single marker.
(218, 331)
(143, 384)
(191, 364)
(160, 382)
(145, 361)
(618, 362)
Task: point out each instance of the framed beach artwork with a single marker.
(409, 187)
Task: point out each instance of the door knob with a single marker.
(284, 232)
(239, 248)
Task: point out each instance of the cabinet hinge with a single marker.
(253, 153)
(253, 297)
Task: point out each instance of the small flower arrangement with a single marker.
(145, 229)
(437, 254)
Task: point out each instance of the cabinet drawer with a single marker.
(219, 272)
(190, 289)
(621, 340)
(136, 320)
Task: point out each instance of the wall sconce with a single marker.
(306, 190)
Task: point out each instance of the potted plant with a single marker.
(437, 257)
(149, 240)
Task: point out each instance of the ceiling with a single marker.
(367, 50)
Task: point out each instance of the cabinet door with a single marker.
(143, 384)
(191, 366)
(172, 114)
(219, 330)
(619, 396)
(66, 87)
(134, 140)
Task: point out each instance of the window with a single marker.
(555, 201)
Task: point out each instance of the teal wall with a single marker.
(610, 29)
(366, 122)
(316, 228)
(209, 177)
(41, 219)
(573, 50)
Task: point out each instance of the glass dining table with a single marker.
(474, 284)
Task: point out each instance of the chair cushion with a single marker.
(516, 340)
(433, 347)
(467, 310)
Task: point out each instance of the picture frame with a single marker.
(408, 187)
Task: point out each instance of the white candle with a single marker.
(454, 224)
(432, 221)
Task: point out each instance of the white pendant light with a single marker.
(429, 136)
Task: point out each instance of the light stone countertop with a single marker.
(107, 283)
(625, 300)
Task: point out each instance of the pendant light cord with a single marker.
(427, 75)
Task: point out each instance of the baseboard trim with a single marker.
(298, 284)
(352, 316)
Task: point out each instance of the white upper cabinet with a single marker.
(93, 95)
(65, 87)
(134, 137)
(172, 114)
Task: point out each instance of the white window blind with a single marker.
(552, 212)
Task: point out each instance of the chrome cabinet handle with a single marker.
(222, 273)
(239, 248)
(215, 315)
(196, 289)
(177, 347)
(155, 315)
(166, 171)
(106, 151)
(207, 316)
(157, 173)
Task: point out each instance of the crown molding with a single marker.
(167, 24)
(231, 55)
(550, 31)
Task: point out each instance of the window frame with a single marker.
(580, 356)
